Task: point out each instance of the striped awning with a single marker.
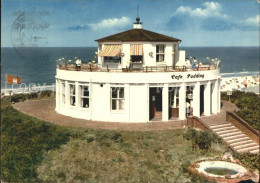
(136, 49)
(111, 50)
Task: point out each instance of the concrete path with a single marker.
(45, 110)
(221, 117)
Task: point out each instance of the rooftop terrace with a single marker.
(136, 68)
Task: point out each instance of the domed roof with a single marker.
(135, 35)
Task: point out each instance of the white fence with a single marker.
(30, 89)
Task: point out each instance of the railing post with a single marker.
(107, 69)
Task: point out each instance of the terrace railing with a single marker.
(97, 68)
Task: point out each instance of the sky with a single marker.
(78, 23)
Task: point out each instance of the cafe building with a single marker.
(141, 76)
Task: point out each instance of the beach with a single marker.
(241, 83)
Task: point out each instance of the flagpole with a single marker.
(5, 84)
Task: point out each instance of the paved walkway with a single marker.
(45, 110)
(220, 117)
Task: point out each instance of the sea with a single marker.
(38, 65)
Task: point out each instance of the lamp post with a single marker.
(229, 93)
(10, 93)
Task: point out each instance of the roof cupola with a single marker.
(138, 24)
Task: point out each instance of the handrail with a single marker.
(200, 122)
(94, 67)
(248, 129)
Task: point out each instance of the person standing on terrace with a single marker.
(194, 63)
(78, 64)
(188, 64)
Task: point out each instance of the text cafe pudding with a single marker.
(178, 77)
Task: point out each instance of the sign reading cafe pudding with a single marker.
(187, 76)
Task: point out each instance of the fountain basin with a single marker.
(221, 169)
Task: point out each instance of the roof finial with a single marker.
(137, 10)
(137, 24)
(137, 18)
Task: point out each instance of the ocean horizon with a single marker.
(38, 64)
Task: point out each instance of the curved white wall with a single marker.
(136, 92)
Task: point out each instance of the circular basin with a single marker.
(220, 169)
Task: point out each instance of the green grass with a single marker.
(157, 156)
(35, 151)
(24, 140)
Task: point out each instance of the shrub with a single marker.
(249, 159)
(32, 96)
(18, 98)
(90, 139)
(248, 104)
(46, 93)
(204, 140)
(199, 139)
(117, 137)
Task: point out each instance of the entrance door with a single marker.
(155, 103)
(201, 99)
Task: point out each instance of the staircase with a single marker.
(236, 139)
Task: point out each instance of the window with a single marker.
(117, 98)
(84, 96)
(72, 94)
(174, 97)
(112, 60)
(160, 53)
(63, 92)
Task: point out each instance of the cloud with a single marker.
(209, 17)
(111, 23)
(254, 21)
(212, 9)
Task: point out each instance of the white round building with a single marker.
(141, 76)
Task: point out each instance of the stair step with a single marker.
(231, 134)
(248, 149)
(224, 128)
(255, 151)
(227, 131)
(240, 142)
(244, 146)
(220, 125)
(234, 136)
(237, 140)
